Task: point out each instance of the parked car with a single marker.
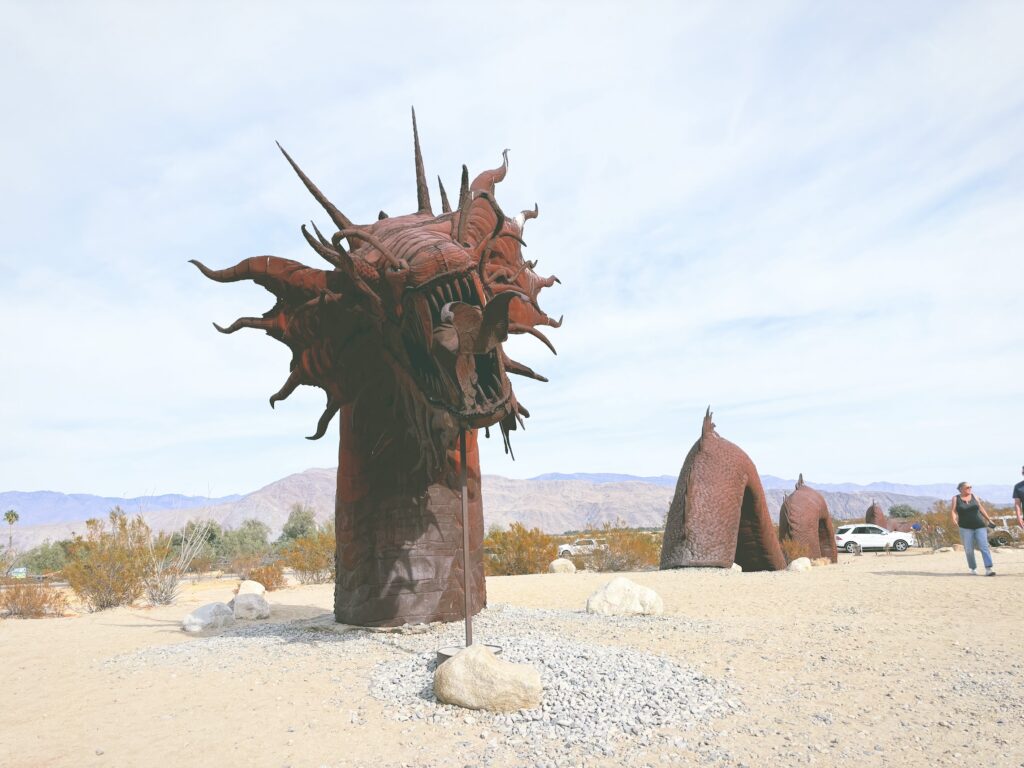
(582, 547)
(1006, 531)
(848, 537)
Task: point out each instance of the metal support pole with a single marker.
(467, 576)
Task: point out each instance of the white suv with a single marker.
(872, 537)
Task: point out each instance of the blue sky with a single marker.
(808, 215)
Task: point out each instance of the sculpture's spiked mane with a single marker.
(423, 301)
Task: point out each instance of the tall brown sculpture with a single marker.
(719, 515)
(876, 516)
(804, 518)
(404, 334)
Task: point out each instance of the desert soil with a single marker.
(898, 659)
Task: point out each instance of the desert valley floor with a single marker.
(883, 659)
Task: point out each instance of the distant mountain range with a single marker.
(554, 503)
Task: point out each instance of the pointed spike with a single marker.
(294, 379)
(320, 235)
(520, 328)
(341, 221)
(445, 205)
(381, 216)
(422, 192)
(324, 251)
(325, 420)
(464, 187)
(261, 323)
(513, 366)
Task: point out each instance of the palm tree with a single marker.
(11, 517)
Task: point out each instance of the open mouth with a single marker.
(452, 336)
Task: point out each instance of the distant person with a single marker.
(971, 518)
(1018, 500)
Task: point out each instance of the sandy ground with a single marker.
(900, 659)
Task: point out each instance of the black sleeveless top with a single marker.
(968, 513)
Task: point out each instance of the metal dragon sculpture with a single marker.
(805, 519)
(404, 333)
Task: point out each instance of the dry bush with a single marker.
(311, 556)
(937, 529)
(169, 559)
(244, 565)
(108, 566)
(32, 601)
(628, 549)
(794, 549)
(271, 575)
(518, 550)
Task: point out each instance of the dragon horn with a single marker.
(422, 193)
(487, 179)
(445, 205)
(525, 215)
(341, 221)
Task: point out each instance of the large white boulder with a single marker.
(250, 587)
(800, 564)
(562, 565)
(475, 678)
(251, 606)
(207, 617)
(622, 597)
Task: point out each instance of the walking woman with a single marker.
(970, 516)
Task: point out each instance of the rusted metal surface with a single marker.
(804, 518)
(719, 515)
(404, 334)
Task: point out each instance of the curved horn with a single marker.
(294, 379)
(261, 323)
(422, 192)
(520, 328)
(328, 254)
(341, 221)
(525, 215)
(325, 420)
(487, 179)
(375, 242)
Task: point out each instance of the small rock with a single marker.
(99, 751)
(821, 561)
(475, 678)
(800, 564)
(251, 606)
(622, 597)
(736, 568)
(562, 565)
(207, 617)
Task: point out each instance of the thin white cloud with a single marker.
(809, 217)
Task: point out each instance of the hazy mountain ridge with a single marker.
(554, 503)
(45, 507)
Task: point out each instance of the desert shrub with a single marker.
(628, 549)
(902, 511)
(32, 601)
(107, 567)
(169, 559)
(311, 556)
(270, 575)
(48, 557)
(301, 523)
(793, 550)
(250, 538)
(518, 550)
(937, 529)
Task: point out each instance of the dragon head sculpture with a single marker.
(409, 320)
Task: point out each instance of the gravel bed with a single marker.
(599, 700)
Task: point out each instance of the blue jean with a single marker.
(979, 536)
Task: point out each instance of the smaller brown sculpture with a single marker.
(875, 516)
(719, 515)
(804, 518)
